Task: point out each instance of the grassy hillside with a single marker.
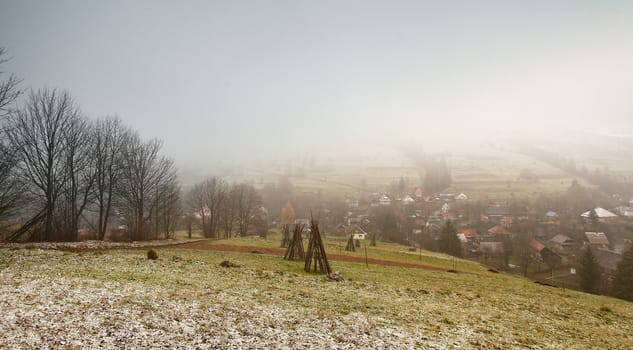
(185, 298)
(480, 171)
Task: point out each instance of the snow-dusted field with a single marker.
(44, 307)
(94, 244)
(119, 299)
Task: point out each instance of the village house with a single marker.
(357, 232)
(384, 200)
(602, 214)
(496, 212)
(545, 254)
(498, 231)
(561, 242)
(406, 200)
(551, 216)
(446, 197)
(469, 233)
(597, 240)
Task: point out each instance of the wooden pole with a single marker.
(366, 261)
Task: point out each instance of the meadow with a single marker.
(109, 298)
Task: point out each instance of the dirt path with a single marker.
(281, 251)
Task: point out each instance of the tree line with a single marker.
(599, 177)
(436, 176)
(61, 171)
(225, 210)
(590, 274)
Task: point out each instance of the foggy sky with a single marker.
(230, 80)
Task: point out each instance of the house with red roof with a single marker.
(498, 230)
(545, 254)
(469, 233)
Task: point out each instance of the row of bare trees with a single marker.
(60, 171)
(225, 210)
(10, 188)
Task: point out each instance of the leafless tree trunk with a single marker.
(9, 91)
(197, 201)
(37, 132)
(11, 186)
(108, 137)
(209, 196)
(79, 177)
(143, 172)
(247, 201)
(215, 196)
(228, 212)
(169, 205)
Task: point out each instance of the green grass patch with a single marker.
(475, 309)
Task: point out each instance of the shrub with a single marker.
(152, 255)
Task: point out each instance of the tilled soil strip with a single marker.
(281, 251)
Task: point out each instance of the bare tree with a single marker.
(196, 199)
(168, 205)
(216, 190)
(228, 212)
(247, 200)
(108, 139)
(78, 178)
(37, 132)
(9, 91)
(209, 198)
(143, 172)
(11, 186)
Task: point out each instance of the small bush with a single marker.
(152, 255)
(227, 263)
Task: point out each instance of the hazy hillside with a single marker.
(186, 299)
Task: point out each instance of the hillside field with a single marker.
(481, 171)
(115, 298)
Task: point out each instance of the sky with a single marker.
(227, 81)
